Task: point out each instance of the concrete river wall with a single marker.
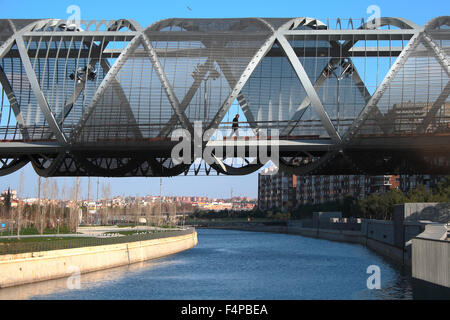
(431, 263)
(426, 255)
(391, 252)
(22, 268)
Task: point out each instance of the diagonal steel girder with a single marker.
(240, 97)
(13, 102)
(42, 102)
(309, 88)
(301, 109)
(393, 71)
(443, 60)
(110, 76)
(256, 59)
(196, 84)
(434, 108)
(187, 98)
(81, 86)
(398, 22)
(185, 123)
(440, 54)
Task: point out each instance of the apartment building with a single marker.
(282, 190)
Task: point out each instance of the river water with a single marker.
(230, 265)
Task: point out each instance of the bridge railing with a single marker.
(303, 129)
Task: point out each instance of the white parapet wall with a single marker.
(17, 269)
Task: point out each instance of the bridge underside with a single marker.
(400, 155)
(343, 97)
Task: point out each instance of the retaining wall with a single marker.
(391, 252)
(16, 269)
(431, 263)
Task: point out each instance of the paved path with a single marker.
(91, 232)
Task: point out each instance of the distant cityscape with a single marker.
(280, 190)
(195, 202)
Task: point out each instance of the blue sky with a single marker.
(147, 12)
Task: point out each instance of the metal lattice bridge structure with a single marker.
(346, 96)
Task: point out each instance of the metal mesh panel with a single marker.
(34, 120)
(9, 26)
(412, 93)
(203, 59)
(6, 30)
(61, 70)
(314, 55)
(111, 119)
(277, 22)
(273, 92)
(131, 89)
(145, 94)
(342, 100)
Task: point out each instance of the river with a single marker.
(229, 265)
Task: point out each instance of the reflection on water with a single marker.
(87, 281)
(238, 265)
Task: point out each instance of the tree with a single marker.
(19, 207)
(73, 213)
(7, 203)
(106, 192)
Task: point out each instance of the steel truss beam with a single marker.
(46, 165)
(309, 88)
(325, 153)
(351, 34)
(346, 50)
(201, 52)
(15, 164)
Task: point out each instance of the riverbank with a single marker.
(394, 254)
(23, 268)
(237, 265)
(428, 265)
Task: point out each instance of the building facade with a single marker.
(283, 190)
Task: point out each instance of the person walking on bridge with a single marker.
(235, 126)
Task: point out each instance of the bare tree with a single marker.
(19, 197)
(61, 211)
(73, 213)
(106, 192)
(148, 213)
(45, 205)
(38, 217)
(135, 209)
(53, 185)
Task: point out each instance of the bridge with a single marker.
(341, 96)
